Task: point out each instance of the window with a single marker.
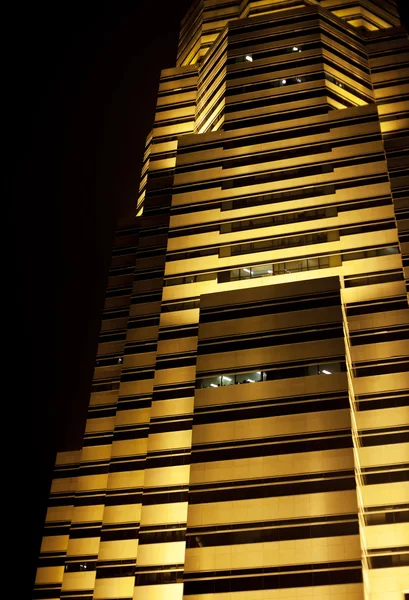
(397, 558)
(277, 243)
(279, 219)
(224, 380)
(190, 279)
(249, 378)
(386, 251)
(74, 567)
(105, 387)
(301, 265)
(293, 266)
(187, 305)
(246, 58)
(249, 272)
(232, 379)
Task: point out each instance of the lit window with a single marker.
(241, 378)
(248, 57)
(261, 270)
(211, 382)
(329, 369)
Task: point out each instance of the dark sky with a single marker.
(85, 78)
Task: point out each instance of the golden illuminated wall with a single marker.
(270, 249)
(272, 502)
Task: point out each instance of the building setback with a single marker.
(248, 428)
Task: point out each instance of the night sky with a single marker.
(85, 78)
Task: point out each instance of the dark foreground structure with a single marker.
(248, 429)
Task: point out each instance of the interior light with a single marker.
(326, 372)
(271, 272)
(295, 49)
(225, 377)
(249, 58)
(258, 372)
(284, 81)
(247, 270)
(213, 385)
(250, 380)
(298, 80)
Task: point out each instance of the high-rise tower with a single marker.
(248, 429)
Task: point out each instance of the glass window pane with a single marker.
(329, 368)
(313, 370)
(313, 263)
(205, 277)
(264, 245)
(386, 251)
(243, 378)
(262, 270)
(253, 377)
(227, 380)
(245, 273)
(294, 266)
(324, 262)
(210, 382)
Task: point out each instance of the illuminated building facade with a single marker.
(248, 429)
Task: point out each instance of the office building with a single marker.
(248, 428)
